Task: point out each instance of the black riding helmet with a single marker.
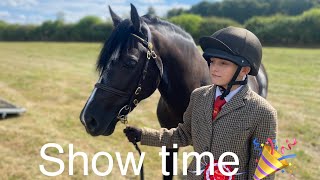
(237, 45)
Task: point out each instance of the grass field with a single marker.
(53, 81)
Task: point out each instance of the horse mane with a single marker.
(111, 48)
(166, 28)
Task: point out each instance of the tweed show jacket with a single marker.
(245, 117)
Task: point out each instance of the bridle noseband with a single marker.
(133, 102)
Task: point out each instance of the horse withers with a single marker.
(141, 55)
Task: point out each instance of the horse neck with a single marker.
(184, 69)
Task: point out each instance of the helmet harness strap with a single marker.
(233, 82)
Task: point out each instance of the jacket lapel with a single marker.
(209, 107)
(235, 102)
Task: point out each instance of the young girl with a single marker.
(227, 115)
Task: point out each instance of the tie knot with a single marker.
(219, 98)
(219, 102)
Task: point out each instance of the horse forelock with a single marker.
(111, 48)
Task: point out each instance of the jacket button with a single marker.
(206, 148)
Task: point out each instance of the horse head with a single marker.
(130, 71)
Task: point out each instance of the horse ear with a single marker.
(135, 19)
(115, 18)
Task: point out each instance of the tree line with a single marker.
(88, 29)
(242, 10)
(278, 29)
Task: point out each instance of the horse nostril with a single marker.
(92, 123)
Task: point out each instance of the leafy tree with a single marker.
(287, 30)
(151, 11)
(175, 12)
(84, 29)
(189, 22)
(212, 24)
(242, 10)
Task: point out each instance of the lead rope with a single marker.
(141, 170)
(139, 151)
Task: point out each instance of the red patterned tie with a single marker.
(218, 103)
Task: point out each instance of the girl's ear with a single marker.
(245, 70)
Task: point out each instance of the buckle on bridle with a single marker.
(135, 102)
(153, 54)
(150, 46)
(138, 90)
(123, 118)
(148, 54)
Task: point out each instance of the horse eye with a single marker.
(130, 63)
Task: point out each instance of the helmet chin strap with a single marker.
(233, 82)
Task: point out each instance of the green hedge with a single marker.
(287, 30)
(213, 24)
(89, 28)
(189, 22)
(198, 26)
(242, 10)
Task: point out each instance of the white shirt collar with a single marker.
(230, 95)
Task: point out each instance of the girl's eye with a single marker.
(225, 63)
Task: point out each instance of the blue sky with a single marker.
(37, 11)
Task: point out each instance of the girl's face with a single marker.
(222, 71)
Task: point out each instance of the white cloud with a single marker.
(22, 16)
(111, 2)
(16, 3)
(22, 19)
(161, 9)
(74, 10)
(150, 1)
(4, 14)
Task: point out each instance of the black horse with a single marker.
(141, 55)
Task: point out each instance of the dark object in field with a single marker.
(8, 109)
